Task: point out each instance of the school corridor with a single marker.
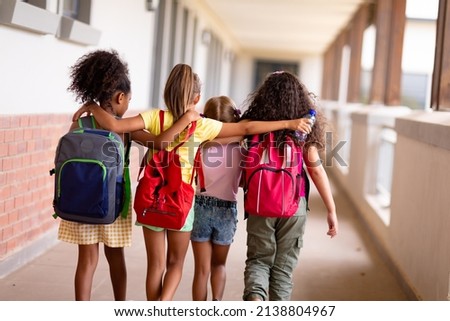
(379, 69)
(347, 267)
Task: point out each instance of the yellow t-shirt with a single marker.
(206, 129)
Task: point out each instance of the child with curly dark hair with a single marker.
(102, 76)
(274, 243)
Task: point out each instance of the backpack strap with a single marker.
(307, 186)
(197, 170)
(200, 177)
(161, 121)
(87, 122)
(161, 129)
(126, 177)
(189, 133)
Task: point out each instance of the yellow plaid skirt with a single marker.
(117, 234)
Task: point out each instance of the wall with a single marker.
(129, 28)
(35, 68)
(26, 191)
(411, 232)
(242, 83)
(420, 207)
(36, 110)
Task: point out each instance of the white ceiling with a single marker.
(280, 27)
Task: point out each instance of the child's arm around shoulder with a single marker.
(136, 124)
(250, 127)
(108, 121)
(320, 180)
(165, 138)
(170, 134)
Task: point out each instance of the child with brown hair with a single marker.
(215, 205)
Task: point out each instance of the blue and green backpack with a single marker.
(92, 183)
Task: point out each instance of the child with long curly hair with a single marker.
(273, 243)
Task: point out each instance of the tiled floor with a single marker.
(345, 268)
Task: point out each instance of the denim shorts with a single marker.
(215, 220)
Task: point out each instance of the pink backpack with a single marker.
(274, 178)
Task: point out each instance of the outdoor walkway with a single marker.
(347, 267)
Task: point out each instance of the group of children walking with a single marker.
(100, 81)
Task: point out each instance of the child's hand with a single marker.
(332, 224)
(192, 115)
(302, 124)
(86, 108)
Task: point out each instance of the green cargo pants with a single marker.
(273, 248)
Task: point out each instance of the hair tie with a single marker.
(237, 112)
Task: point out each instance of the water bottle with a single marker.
(301, 136)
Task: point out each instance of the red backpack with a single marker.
(274, 178)
(162, 198)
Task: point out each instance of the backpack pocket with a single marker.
(83, 188)
(271, 192)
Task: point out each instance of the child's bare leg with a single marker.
(87, 263)
(156, 262)
(117, 271)
(218, 270)
(202, 257)
(178, 243)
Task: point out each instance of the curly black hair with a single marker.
(96, 76)
(283, 96)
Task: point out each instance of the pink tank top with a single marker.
(221, 170)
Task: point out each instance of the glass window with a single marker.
(71, 8)
(38, 3)
(76, 9)
(385, 165)
(263, 68)
(415, 90)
